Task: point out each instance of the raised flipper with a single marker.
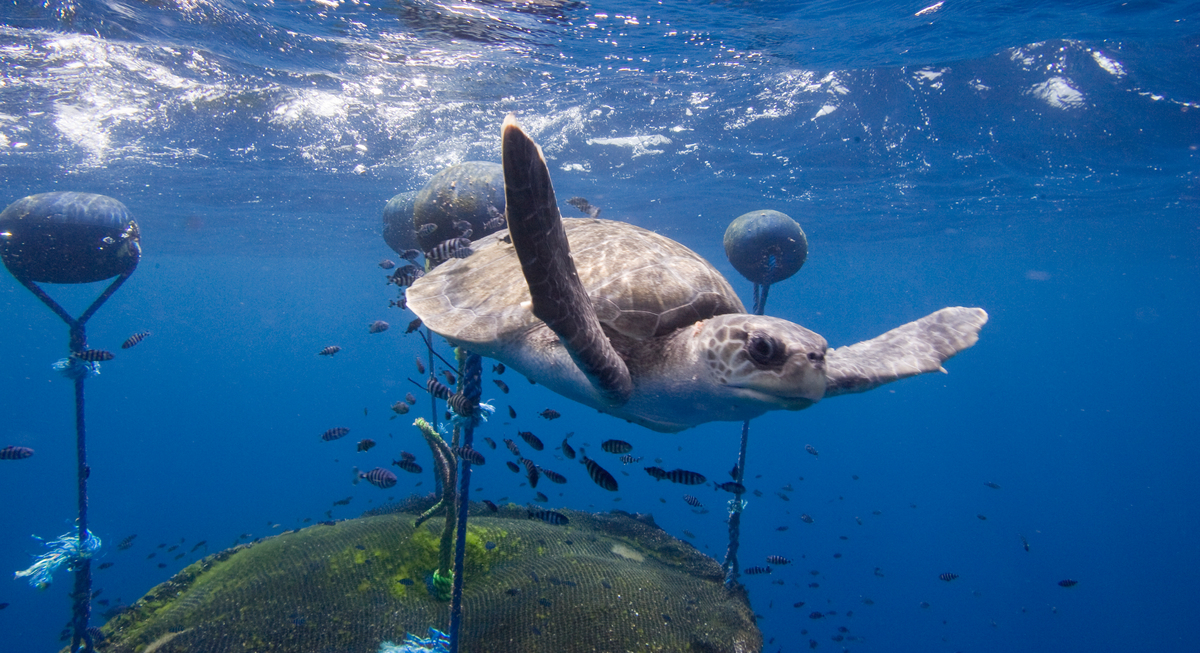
(909, 350)
(559, 298)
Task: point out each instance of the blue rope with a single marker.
(736, 505)
(470, 377)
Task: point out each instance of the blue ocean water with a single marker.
(1038, 160)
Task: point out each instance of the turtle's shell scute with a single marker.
(641, 284)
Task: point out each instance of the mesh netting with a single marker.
(606, 582)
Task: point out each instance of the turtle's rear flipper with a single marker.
(909, 350)
(559, 298)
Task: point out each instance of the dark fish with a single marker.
(512, 446)
(491, 442)
(426, 229)
(3, 605)
(410, 254)
(201, 543)
(105, 565)
(135, 339)
(470, 455)
(378, 326)
(408, 466)
(616, 446)
(413, 326)
(542, 498)
(339, 502)
(379, 477)
(406, 275)
(599, 475)
(329, 351)
(335, 433)
(502, 385)
(15, 453)
(809, 448)
(491, 506)
(815, 615)
(365, 444)
(783, 496)
(585, 206)
(450, 378)
(532, 440)
(567, 450)
(462, 225)
(778, 560)
(657, 472)
(448, 249)
(531, 472)
(550, 413)
(512, 412)
(93, 355)
(400, 408)
(554, 476)
(732, 486)
(1024, 542)
(513, 466)
(489, 545)
(549, 516)
(733, 472)
(692, 501)
(126, 543)
(684, 477)
(753, 571)
(408, 396)
(387, 264)
(994, 486)
(404, 455)
(806, 519)
(1068, 583)
(407, 582)
(947, 576)
(981, 517)
(513, 591)
(498, 368)
(436, 388)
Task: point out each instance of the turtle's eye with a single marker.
(764, 349)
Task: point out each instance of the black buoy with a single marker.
(766, 246)
(472, 191)
(68, 237)
(65, 237)
(398, 222)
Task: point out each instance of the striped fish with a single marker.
(410, 254)
(657, 472)
(753, 571)
(692, 501)
(93, 355)
(135, 339)
(406, 275)
(616, 446)
(554, 476)
(491, 442)
(470, 455)
(810, 449)
(532, 440)
(436, 388)
(404, 455)
(365, 444)
(407, 465)
(15, 453)
(684, 477)
(531, 471)
(549, 516)
(778, 560)
(947, 576)
(512, 446)
(329, 351)
(462, 404)
(600, 476)
(448, 249)
(387, 264)
(426, 229)
(567, 450)
(379, 477)
(629, 459)
(334, 433)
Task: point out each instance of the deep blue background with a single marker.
(233, 140)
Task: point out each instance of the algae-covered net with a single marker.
(603, 582)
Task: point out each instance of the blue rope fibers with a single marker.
(735, 510)
(469, 374)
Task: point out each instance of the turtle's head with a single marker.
(764, 359)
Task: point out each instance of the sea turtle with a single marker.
(638, 326)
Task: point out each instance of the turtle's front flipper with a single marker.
(559, 298)
(915, 348)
